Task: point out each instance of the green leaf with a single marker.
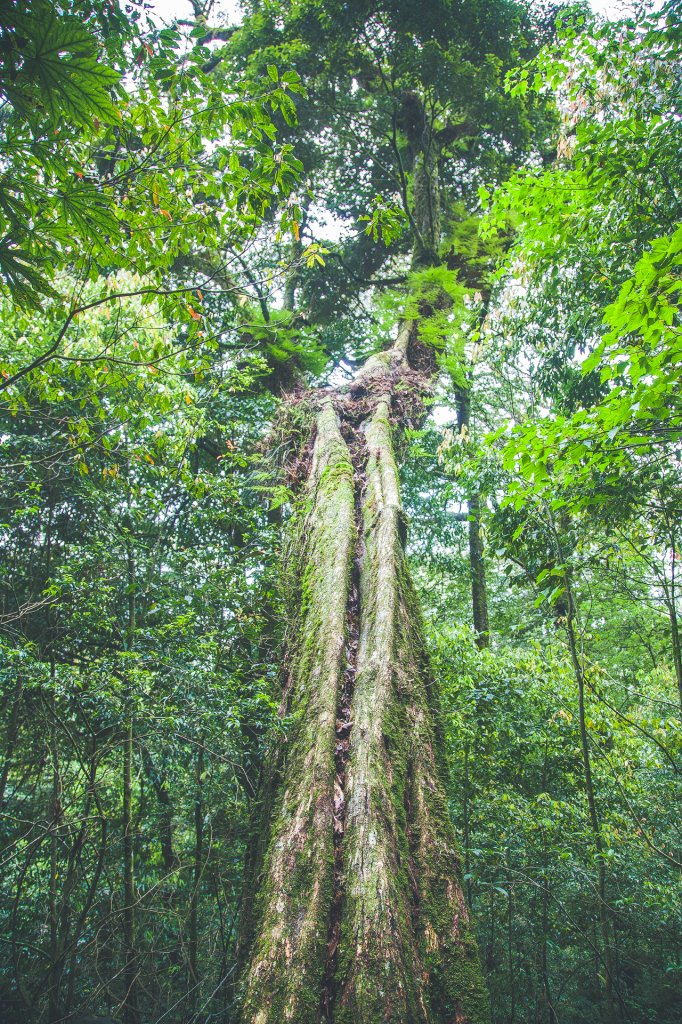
(61, 62)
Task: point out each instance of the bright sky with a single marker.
(170, 9)
(167, 10)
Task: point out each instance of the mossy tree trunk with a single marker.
(358, 911)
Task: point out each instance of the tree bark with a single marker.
(603, 906)
(676, 647)
(479, 593)
(284, 975)
(193, 942)
(11, 736)
(54, 976)
(130, 1006)
(130, 1012)
(359, 912)
(670, 589)
(159, 783)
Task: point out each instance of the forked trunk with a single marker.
(358, 911)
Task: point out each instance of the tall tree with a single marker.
(355, 909)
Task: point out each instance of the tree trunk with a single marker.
(130, 1013)
(479, 593)
(193, 940)
(603, 906)
(676, 647)
(130, 1007)
(359, 913)
(54, 976)
(159, 782)
(670, 589)
(11, 736)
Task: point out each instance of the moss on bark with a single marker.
(393, 899)
(285, 968)
(408, 953)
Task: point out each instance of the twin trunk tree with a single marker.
(356, 911)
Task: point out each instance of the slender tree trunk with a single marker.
(426, 219)
(11, 736)
(359, 911)
(548, 1006)
(193, 939)
(595, 825)
(676, 647)
(55, 972)
(71, 960)
(510, 954)
(160, 785)
(130, 1007)
(130, 1014)
(55, 968)
(479, 593)
(670, 590)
